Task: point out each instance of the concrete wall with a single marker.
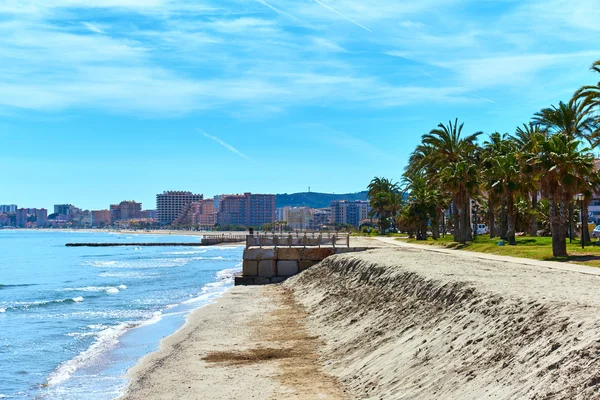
(273, 265)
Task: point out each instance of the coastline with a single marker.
(250, 343)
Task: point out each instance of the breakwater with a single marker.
(205, 241)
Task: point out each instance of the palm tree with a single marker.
(454, 157)
(573, 119)
(527, 140)
(561, 167)
(590, 94)
(383, 195)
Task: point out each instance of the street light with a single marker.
(579, 197)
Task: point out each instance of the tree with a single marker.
(527, 140)
(573, 119)
(590, 95)
(385, 200)
(454, 157)
(561, 167)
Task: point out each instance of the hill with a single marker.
(316, 200)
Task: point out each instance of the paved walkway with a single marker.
(563, 266)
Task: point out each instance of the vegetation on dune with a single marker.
(524, 182)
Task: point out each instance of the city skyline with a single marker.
(120, 99)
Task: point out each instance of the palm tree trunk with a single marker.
(503, 220)
(534, 200)
(492, 216)
(468, 225)
(571, 227)
(510, 211)
(558, 225)
(455, 223)
(584, 219)
(435, 225)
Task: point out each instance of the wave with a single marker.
(189, 252)
(106, 340)
(39, 304)
(107, 289)
(149, 263)
(15, 286)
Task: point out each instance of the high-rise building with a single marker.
(320, 218)
(125, 210)
(170, 204)
(38, 216)
(148, 214)
(201, 213)
(101, 218)
(22, 215)
(246, 209)
(8, 208)
(66, 209)
(41, 217)
(349, 212)
(297, 217)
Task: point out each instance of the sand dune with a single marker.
(406, 323)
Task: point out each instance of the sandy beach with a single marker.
(250, 344)
(399, 322)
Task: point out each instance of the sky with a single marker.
(110, 100)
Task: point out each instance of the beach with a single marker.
(250, 343)
(399, 322)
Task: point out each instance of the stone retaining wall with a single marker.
(263, 265)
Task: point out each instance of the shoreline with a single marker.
(269, 354)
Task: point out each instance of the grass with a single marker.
(537, 248)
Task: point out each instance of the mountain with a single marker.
(315, 200)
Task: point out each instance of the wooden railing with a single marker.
(298, 240)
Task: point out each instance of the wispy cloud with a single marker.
(277, 10)
(342, 15)
(93, 28)
(227, 146)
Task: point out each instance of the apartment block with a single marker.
(201, 213)
(125, 210)
(8, 208)
(297, 217)
(101, 218)
(349, 212)
(246, 209)
(170, 204)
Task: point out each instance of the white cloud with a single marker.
(327, 45)
(412, 24)
(227, 146)
(93, 28)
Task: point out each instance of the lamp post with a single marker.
(579, 197)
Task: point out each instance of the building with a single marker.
(349, 212)
(246, 209)
(125, 210)
(297, 217)
(101, 218)
(320, 218)
(169, 205)
(198, 213)
(22, 215)
(66, 209)
(30, 217)
(41, 217)
(9, 208)
(148, 214)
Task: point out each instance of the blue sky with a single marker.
(106, 100)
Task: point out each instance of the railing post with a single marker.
(333, 241)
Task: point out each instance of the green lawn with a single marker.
(538, 248)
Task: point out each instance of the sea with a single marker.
(73, 320)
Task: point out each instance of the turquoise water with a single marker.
(73, 320)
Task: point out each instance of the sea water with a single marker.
(74, 319)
